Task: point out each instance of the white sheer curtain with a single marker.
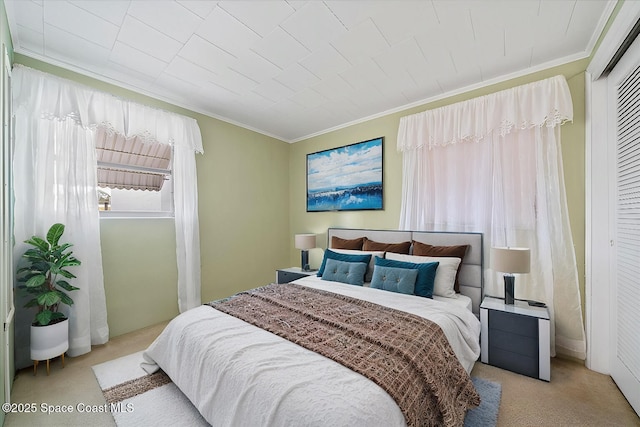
(493, 164)
(55, 181)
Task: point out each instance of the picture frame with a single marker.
(346, 178)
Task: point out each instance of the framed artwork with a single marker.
(347, 178)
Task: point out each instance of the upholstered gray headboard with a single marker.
(471, 271)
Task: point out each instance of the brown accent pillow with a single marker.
(424, 249)
(339, 243)
(397, 248)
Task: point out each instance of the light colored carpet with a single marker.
(136, 399)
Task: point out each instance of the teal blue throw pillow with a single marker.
(426, 274)
(351, 273)
(401, 280)
(329, 254)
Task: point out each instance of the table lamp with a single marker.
(304, 242)
(510, 261)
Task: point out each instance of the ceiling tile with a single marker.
(67, 47)
(28, 14)
(333, 88)
(261, 16)
(398, 83)
(113, 11)
(280, 48)
(141, 36)
(170, 18)
(353, 13)
(398, 21)
(255, 67)
(308, 98)
(234, 81)
(226, 32)
(362, 41)
(400, 57)
(83, 24)
(455, 29)
(363, 73)
(556, 17)
(128, 57)
(217, 94)
(296, 78)
(127, 77)
(273, 90)
(170, 85)
(501, 65)
(437, 55)
(467, 76)
(426, 90)
(188, 71)
(199, 7)
(207, 55)
(325, 62)
(582, 21)
(32, 41)
(314, 25)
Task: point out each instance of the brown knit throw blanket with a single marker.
(406, 355)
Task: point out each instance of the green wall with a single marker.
(573, 148)
(244, 221)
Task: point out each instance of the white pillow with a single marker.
(445, 274)
(369, 275)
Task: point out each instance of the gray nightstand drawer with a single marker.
(513, 343)
(514, 323)
(514, 362)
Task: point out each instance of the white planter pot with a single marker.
(49, 341)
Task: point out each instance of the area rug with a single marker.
(136, 399)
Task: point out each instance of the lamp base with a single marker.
(509, 281)
(304, 265)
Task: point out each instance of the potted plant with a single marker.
(44, 278)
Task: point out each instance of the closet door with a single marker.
(624, 90)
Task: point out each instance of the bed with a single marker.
(282, 368)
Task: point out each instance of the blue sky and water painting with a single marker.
(345, 178)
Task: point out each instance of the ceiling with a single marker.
(294, 69)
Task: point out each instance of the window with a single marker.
(134, 176)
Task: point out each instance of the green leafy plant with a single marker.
(45, 275)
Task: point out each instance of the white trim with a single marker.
(604, 18)
(484, 335)
(627, 17)
(597, 164)
(544, 350)
(597, 236)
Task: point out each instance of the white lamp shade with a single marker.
(511, 260)
(305, 241)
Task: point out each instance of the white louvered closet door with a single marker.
(624, 90)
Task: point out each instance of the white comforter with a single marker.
(237, 374)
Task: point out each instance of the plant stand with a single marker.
(48, 342)
(35, 365)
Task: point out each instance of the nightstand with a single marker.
(516, 337)
(286, 275)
